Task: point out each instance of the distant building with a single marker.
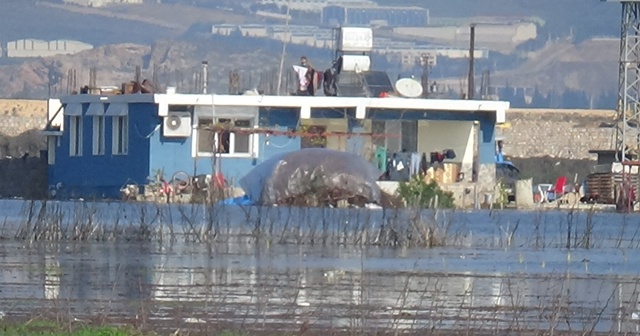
(296, 34)
(101, 3)
(315, 5)
(382, 15)
(40, 48)
(405, 52)
(485, 32)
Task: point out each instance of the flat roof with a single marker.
(305, 103)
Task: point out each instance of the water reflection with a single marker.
(52, 273)
(334, 287)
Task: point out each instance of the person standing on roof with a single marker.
(307, 77)
(304, 62)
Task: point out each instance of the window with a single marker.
(120, 135)
(98, 135)
(224, 136)
(206, 135)
(75, 141)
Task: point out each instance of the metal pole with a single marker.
(205, 76)
(284, 49)
(472, 41)
(425, 58)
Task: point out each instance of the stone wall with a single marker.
(568, 134)
(18, 116)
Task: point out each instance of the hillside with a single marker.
(590, 66)
(584, 19)
(20, 19)
(175, 64)
(142, 24)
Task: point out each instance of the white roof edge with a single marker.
(125, 98)
(500, 107)
(329, 102)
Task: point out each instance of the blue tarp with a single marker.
(242, 200)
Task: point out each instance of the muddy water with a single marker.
(511, 271)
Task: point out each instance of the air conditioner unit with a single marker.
(177, 125)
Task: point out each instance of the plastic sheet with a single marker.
(310, 173)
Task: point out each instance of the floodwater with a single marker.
(295, 270)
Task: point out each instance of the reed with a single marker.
(390, 227)
(411, 302)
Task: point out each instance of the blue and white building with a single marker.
(107, 141)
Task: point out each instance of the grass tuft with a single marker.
(47, 328)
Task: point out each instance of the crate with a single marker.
(603, 186)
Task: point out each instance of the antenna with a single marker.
(472, 42)
(284, 47)
(628, 109)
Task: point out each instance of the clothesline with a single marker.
(298, 133)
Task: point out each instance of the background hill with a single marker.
(563, 57)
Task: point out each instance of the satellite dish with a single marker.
(173, 122)
(409, 87)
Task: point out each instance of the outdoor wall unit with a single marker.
(177, 125)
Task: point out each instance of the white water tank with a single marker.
(357, 63)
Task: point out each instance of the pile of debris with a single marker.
(314, 177)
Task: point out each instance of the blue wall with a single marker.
(98, 176)
(175, 154)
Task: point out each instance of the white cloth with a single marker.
(302, 73)
(414, 167)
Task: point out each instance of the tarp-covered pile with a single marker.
(313, 177)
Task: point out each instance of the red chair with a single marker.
(558, 188)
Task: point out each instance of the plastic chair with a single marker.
(558, 188)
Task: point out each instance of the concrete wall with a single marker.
(558, 133)
(40, 48)
(18, 115)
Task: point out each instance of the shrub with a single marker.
(420, 194)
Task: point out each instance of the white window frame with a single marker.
(253, 139)
(75, 135)
(98, 135)
(120, 121)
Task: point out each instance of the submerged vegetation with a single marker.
(357, 227)
(531, 296)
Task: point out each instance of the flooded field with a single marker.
(305, 270)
